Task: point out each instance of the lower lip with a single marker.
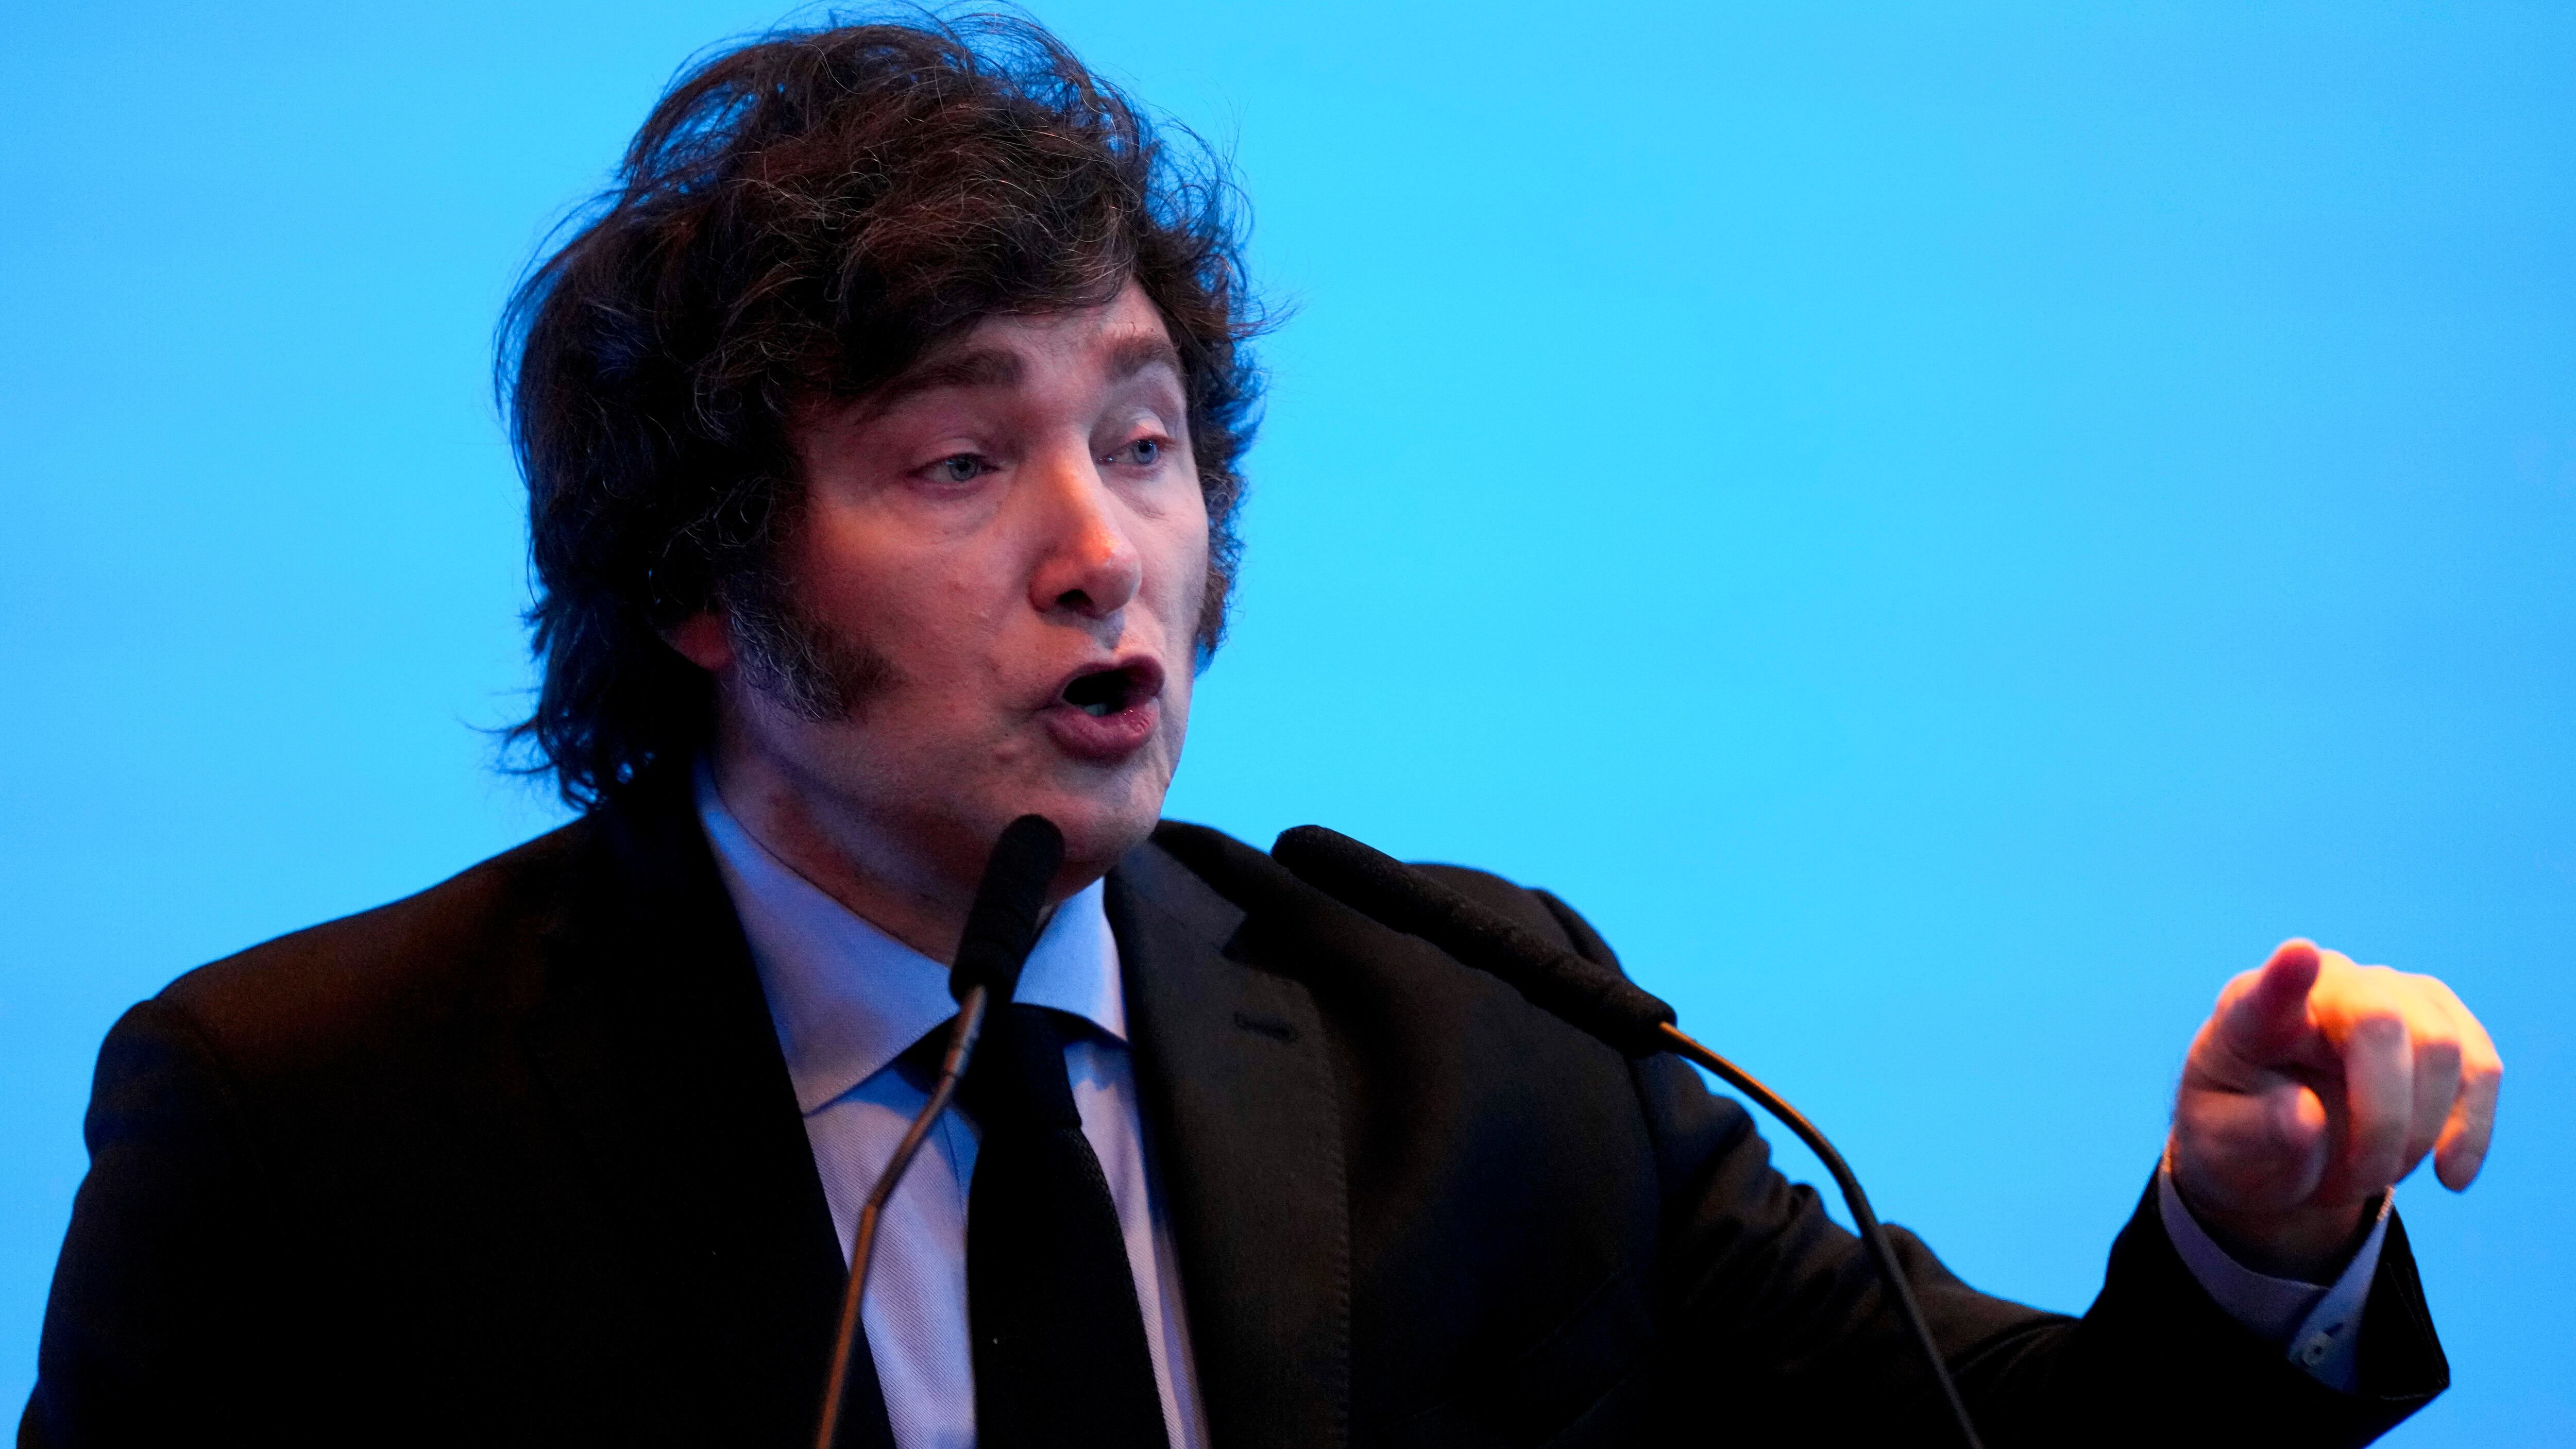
(1103, 738)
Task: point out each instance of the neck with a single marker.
(884, 880)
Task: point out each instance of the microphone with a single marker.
(1590, 997)
(1001, 926)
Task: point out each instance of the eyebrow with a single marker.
(1135, 353)
(972, 368)
(982, 367)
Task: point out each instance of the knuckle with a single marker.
(2381, 1123)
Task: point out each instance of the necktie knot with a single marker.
(1017, 1081)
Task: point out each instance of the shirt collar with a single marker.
(847, 999)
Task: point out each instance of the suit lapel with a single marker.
(1241, 1113)
(657, 1043)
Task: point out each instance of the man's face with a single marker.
(987, 608)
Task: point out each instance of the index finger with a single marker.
(2271, 1018)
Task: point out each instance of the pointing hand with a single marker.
(2314, 1086)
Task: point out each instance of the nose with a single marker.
(1088, 566)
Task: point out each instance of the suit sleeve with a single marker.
(1766, 1303)
(165, 1273)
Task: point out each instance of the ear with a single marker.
(703, 640)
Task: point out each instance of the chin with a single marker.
(1101, 825)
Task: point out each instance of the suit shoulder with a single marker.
(1244, 874)
(468, 946)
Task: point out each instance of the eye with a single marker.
(1143, 453)
(959, 468)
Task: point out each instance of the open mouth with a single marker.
(1105, 692)
(1106, 715)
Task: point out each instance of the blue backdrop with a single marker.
(1946, 530)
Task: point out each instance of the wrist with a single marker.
(2309, 1243)
(2306, 1245)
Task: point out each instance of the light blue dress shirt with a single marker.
(2319, 1324)
(848, 1000)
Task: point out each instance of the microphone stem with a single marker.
(1675, 1040)
(845, 1340)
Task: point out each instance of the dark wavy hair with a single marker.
(797, 221)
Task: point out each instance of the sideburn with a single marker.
(816, 672)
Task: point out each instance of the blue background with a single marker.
(1947, 531)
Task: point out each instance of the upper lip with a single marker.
(1144, 678)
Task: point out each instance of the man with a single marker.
(881, 435)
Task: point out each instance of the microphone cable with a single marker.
(1001, 927)
(1591, 998)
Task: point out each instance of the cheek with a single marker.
(1176, 564)
(1180, 579)
(918, 604)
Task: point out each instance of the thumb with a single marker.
(2271, 1016)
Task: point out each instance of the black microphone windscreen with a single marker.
(1591, 996)
(1002, 924)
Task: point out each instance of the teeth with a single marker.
(1097, 709)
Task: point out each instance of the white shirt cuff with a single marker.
(2317, 1324)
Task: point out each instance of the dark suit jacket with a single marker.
(516, 1161)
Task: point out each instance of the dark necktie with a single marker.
(1060, 1356)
